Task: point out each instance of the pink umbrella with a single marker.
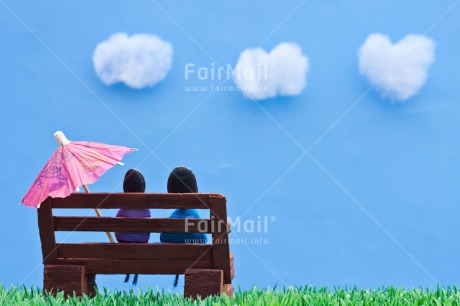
(74, 164)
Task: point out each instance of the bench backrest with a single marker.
(140, 258)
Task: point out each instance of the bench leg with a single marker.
(91, 286)
(228, 290)
(70, 279)
(205, 282)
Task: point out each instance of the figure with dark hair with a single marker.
(133, 182)
(182, 180)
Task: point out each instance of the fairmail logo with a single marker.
(258, 225)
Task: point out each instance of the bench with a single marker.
(71, 267)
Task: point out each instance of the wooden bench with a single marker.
(71, 267)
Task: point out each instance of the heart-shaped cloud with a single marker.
(261, 75)
(398, 70)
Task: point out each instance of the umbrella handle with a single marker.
(109, 235)
(98, 213)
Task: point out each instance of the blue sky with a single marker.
(375, 200)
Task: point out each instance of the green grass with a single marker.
(286, 296)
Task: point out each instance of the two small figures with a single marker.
(181, 180)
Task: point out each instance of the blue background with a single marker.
(375, 200)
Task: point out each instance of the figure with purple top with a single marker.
(133, 182)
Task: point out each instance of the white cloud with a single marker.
(261, 75)
(139, 61)
(398, 70)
